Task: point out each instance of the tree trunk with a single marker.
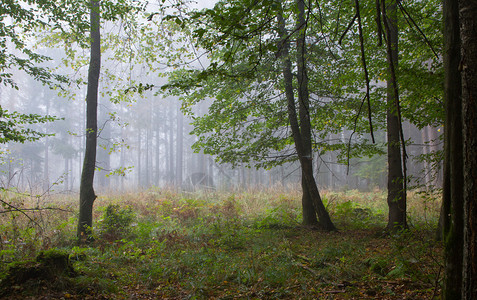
(147, 163)
(468, 67)
(139, 158)
(87, 194)
(396, 188)
(452, 203)
(46, 163)
(180, 150)
(157, 150)
(309, 216)
(304, 155)
(171, 172)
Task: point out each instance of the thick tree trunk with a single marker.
(308, 209)
(396, 191)
(87, 194)
(304, 155)
(468, 67)
(452, 204)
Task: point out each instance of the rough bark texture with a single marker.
(87, 194)
(452, 204)
(396, 192)
(468, 67)
(306, 162)
(308, 209)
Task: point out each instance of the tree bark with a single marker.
(452, 204)
(396, 188)
(87, 194)
(468, 68)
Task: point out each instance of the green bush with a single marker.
(116, 222)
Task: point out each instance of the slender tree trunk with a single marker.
(67, 174)
(425, 151)
(171, 149)
(309, 215)
(468, 67)
(46, 163)
(122, 160)
(180, 150)
(396, 186)
(147, 163)
(139, 158)
(87, 194)
(157, 150)
(304, 155)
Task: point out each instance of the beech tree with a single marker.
(395, 141)
(254, 104)
(87, 195)
(460, 179)
(301, 132)
(87, 192)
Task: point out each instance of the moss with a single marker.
(48, 266)
(56, 262)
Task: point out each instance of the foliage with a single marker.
(116, 222)
(12, 126)
(242, 86)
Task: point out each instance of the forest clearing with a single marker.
(159, 244)
(238, 149)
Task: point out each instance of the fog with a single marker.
(145, 141)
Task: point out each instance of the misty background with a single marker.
(145, 138)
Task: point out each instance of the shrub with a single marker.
(116, 222)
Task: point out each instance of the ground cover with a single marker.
(159, 244)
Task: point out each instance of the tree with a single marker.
(254, 105)
(460, 180)
(468, 67)
(87, 194)
(396, 180)
(302, 132)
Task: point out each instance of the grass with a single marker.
(245, 245)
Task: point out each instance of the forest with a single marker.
(238, 149)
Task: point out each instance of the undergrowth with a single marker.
(159, 244)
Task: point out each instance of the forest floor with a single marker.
(158, 244)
